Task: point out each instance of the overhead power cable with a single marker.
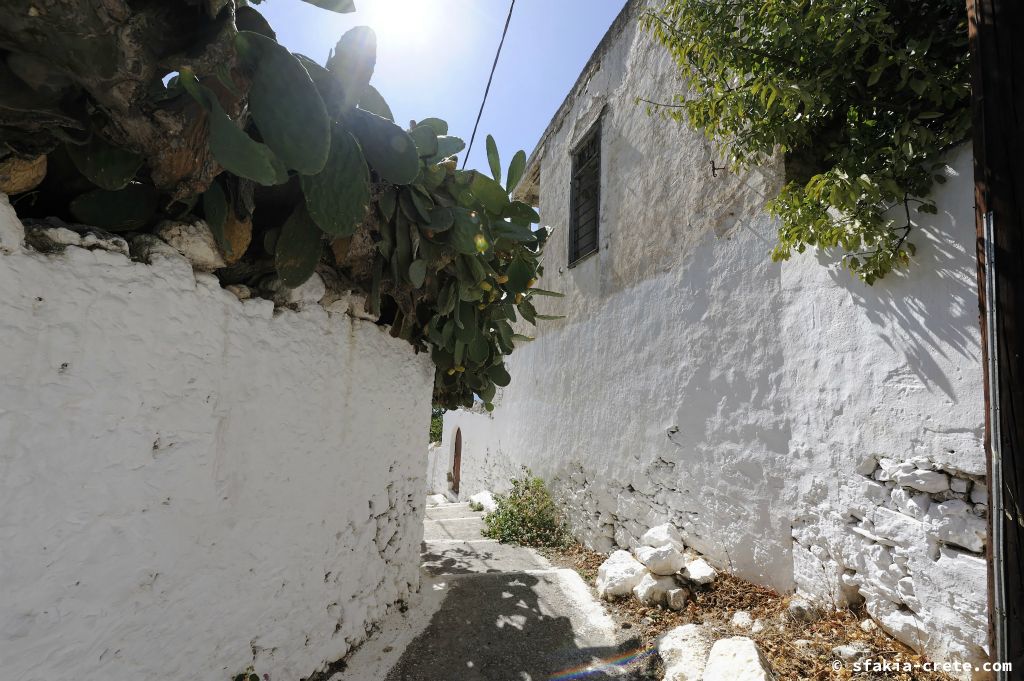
(497, 54)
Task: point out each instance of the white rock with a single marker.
(619, 574)
(661, 560)
(699, 572)
(12, 232)
(875, 491)
(436, 499)
(925, 481)
(914, 505)
(485, 499)
(887, 468)
(801, 609)
(902, 624)
(676, 598)
(149, 249)
(923, 462)
(897, 571)
(979, 493)
(662, 535)
(741, 619)
(954, 522)
(868, 626)
(867, 465)
(736, 659)
(109, 242)
(684, 650)
(195, 241)
(757, 627)
(653, 589)
(56, 236)
(896, 528)
(357, 308)
(959, 485)
(875, 556)
(311, 291)
(802, 643)
(905, 588)
(851, 652)
(240, 291)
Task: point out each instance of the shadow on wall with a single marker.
(904, 305)
(504, 635)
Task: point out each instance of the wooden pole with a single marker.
(997, 52)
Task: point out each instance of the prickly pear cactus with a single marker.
(281, 157)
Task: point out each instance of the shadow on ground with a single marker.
(455, 561)
(490, 627)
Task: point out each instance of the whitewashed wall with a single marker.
(488, 461)
(190, 484)
(779, 414)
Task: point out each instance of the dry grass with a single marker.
(715, 605)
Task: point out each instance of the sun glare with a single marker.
(402, 23)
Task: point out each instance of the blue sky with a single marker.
(434, 56)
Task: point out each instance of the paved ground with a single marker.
(491, 612)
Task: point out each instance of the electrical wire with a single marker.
(497, 54)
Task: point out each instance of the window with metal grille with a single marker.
(585, 196)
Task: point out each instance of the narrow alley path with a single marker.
(491, 612)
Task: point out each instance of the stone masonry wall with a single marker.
(193, 484)
(800, 428)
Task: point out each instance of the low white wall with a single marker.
(479, 442)
(802, 429)
(192, 484)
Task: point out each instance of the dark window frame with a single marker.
(585, 171)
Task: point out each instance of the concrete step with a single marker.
(446, 511)
(453, 528)
(475, 557)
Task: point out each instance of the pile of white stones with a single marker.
(659, 572)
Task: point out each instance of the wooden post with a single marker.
(997, 52)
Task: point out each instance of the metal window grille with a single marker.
(585, 196)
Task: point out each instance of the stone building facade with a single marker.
(802, 429)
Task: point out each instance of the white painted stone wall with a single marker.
(488, 462)
(779, 414)
(192, 484)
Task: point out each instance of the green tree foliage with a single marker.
(436, 424)
(862, 96)
(527, 515)
(297, 168)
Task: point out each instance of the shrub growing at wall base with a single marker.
(526, 515)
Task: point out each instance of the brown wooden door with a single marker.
(457, 462)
